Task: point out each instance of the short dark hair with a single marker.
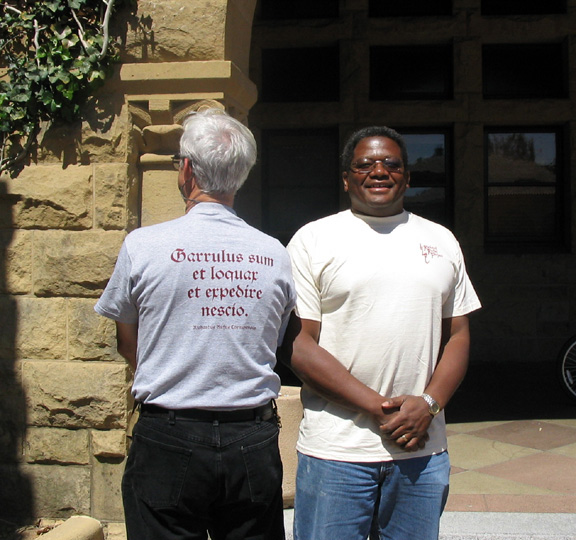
(372, 131)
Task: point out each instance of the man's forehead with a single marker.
(377, 143)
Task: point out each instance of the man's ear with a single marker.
(345, 180)
(187, 168)
(407, 176)
(189, 174)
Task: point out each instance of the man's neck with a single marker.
(226, 199)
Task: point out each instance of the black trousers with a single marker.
(185, 479)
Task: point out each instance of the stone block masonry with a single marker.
(64, 395)
(64, 390)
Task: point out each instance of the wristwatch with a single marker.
(433, 407)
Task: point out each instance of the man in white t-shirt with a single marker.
(383, 298)
(201, 304)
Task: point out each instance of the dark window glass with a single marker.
(411, 72)
(524, 71)
(412, 8)
(300, 178)
(523, 7)
(524, 188)
(429, 194)
(298, 75)
(298, 9)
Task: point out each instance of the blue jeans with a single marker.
(390, 500)
(187, 478)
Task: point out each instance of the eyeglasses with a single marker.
(364, 166)
(176, 159)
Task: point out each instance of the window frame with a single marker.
(410, 11)
(446, 95)
(329, 132)
(560, 240)
(506, 47)
(448, 186)
(323, 79)
(489, 8)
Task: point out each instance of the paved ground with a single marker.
(512, 442)
(493, 526)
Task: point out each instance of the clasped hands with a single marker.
(405, 421)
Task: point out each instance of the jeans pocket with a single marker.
(263, 469)
(158, 471)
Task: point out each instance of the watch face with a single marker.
(433, 407)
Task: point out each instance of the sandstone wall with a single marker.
(64, 397)
(64, 390)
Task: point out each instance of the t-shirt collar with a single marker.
(374, 221)
(210, 208)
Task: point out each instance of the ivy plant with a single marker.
(53, 55)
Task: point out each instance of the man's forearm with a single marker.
(129, 354)
(127, 342)
(328, 377)
(453, 362)
(413, 419)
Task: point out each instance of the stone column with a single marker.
(179, 88)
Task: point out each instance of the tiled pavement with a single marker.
(512, 442)
(512, 479)
(513, 466)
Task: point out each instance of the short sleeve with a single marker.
(116, 301)
(309, 304)
(463, 299)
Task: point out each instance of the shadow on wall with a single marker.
(16, 497)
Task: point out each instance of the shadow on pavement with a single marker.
(510, 391)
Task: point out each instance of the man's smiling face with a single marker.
(376, 179)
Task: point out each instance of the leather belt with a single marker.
(265, 412)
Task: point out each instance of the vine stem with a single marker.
(105, 24)
(36, 42)
(80, 29)
(11, 8)
(7, 163)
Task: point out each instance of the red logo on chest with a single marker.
(429, 252)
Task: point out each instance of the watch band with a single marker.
(433, 407)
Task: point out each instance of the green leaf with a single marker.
(65, 32)
(21, 97)
(49, 73)
(70, 41)
(94, 75)
(52, 6)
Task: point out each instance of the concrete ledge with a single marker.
(77, 528)
(506, 526)
(290, 411)
(492, 526)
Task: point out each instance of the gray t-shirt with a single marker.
(211, 296)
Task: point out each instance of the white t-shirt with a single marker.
(380, 287)
(212, 297)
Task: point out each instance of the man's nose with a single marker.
(379, 169)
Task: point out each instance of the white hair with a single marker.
(222, 150)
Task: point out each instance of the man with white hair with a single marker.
(201, 303)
